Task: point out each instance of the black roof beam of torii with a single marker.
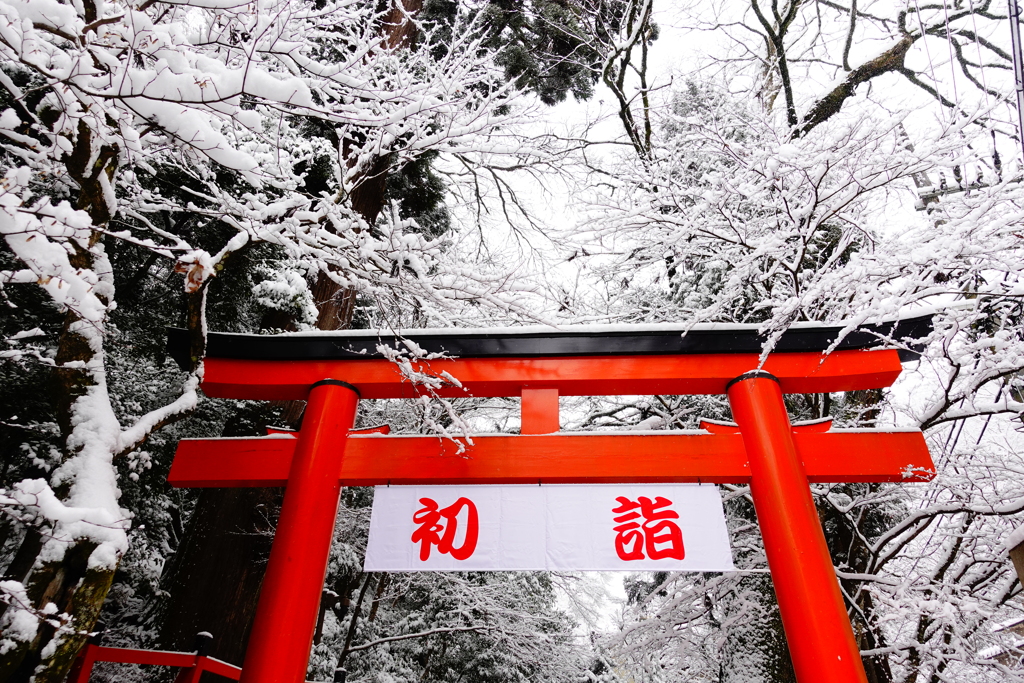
(573, 340)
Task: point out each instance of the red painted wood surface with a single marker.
(286, 614)
(193, 666)
(670, 457)
(538, 413)
(800, 373)
(821, 641)
(775, 458)
(155, 657)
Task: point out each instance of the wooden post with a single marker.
(82, 668)
(194, 673)
(821, 641)
(1017, 557)
(282, 634)
(539, 411)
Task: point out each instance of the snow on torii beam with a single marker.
(333, 370)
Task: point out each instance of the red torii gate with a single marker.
(333, 371)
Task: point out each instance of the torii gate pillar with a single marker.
(821, 641)
(282, 634)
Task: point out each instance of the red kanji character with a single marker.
(657, 529)
(628, 532)
(428, 517)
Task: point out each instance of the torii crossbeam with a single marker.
(778, 459)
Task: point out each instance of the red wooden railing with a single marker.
(192, 664)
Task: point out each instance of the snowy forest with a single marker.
(290, 165)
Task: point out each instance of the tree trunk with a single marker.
(77, 590)
(74, 589)
(69, 583)
(213, 579)
(218, 569)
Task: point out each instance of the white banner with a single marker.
(674, 527)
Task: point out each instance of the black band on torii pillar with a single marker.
(753, 374)
(338, 383)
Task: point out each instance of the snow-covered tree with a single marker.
(173, 138)
(736, 218)
(782, 189)
(809, 60)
